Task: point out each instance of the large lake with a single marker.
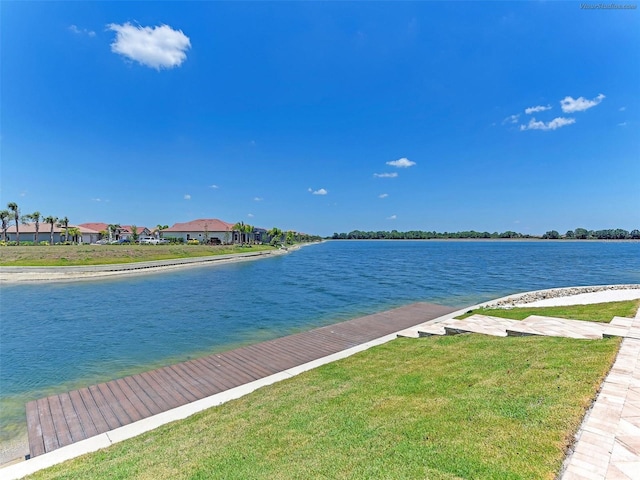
(56, 337)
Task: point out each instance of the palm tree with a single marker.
(34, 217)
(75, 233)
(290, 237)
(52, 220)
(13, 208)
(113, 228)
(160, 228)
(248, 230)
(239, 227)
(275, 234)
(64, 222)
(4, 217)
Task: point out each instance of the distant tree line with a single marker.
(578, 233)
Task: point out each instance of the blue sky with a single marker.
(323, 117)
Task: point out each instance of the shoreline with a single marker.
(30, 275)
(12, 452)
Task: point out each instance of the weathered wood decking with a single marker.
(60, 420)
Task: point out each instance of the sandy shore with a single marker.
(16, 275)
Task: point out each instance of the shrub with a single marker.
(193, 241)
(43, 243)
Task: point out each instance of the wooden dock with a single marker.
(63, 419)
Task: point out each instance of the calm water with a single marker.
(59, 337)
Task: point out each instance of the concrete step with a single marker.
(532, 325)
(430, 330)
(562, 327)
(409, 333)
(479, 324)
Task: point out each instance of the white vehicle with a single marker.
(149, 240)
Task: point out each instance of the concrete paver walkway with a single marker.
(608, 443)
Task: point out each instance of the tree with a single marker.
(35, 217)
(13, 209)
(75, 233)
(134, 233)
(581, 233)
(4, 217)
(113, 229)
(248, 230)
(290, 236)
(206, 234)
(275, 233)
(52, 220)
(569, 234)
(160, 228)
(242, 229)
(552, 235)
(64, 222)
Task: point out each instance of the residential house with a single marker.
(124, 232)
(205, 230)
(28, 232)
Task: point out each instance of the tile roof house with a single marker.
(204, 230)
(125, 231)
(28, 232)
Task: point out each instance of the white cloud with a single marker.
(257, 199)
(250, 215)
(309, 189)
(552, 125)
(214, 186)
(570, 105)
(622, 109)
(402, 163)
(392, 217)
(155, 47)
(385, 175)
(322, 191)
(383, 195)
(96, 199)
(187, 196)
(511, 119)
(84, 31)
(539, 108)
(623, 124)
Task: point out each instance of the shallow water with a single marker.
(56, 337)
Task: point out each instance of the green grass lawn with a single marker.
(465, 406)
(598, 312)
(71, 255)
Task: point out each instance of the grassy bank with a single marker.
(597, 312)
(466, 406)
(71, 255)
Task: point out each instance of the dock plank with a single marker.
(86, 422)
(59, 420)
(46, 423)
(34, 430)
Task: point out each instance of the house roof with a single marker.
(44, 228)
(201, 225)
(95, 226)
(128, 229)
